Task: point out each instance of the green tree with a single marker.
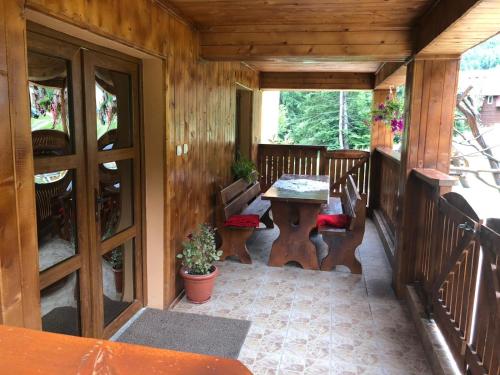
(312, 118)
(484, 56)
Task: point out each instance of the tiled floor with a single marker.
(314, 322)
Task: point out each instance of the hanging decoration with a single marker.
(391, 113)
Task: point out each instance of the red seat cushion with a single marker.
(244, 221)
(335, 221)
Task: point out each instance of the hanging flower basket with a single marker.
(391, 113)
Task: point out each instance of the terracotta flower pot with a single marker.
(199, 287)
(118, 279)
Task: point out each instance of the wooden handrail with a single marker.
(390, 153)
(24, 351)
(448, 240)
(434, 177)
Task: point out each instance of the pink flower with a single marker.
(397, 125)
(381, 106)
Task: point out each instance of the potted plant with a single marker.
(198, 256)
(391, 113)
(115, 259)
(245, 169)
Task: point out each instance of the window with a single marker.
(490, 99)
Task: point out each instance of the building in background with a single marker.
(486, 90)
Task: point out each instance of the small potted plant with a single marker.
(245, 169)
(115, 259)
(198, 270)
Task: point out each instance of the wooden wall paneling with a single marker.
(199, 112)
(203, 117)
(19, 291)
(431, 88)
(116, 20)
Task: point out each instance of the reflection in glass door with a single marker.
(87, 186)
(54, 74)
(112, 133)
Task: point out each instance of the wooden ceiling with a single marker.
(305, 35)
(336, 36)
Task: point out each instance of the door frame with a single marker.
(88, 327)
(246, 96)
(90, 61)
(79, 262)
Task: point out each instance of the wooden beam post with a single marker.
(431, 88)
(381, 136)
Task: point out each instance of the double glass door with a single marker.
(86, 147)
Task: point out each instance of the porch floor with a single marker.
(314, 322)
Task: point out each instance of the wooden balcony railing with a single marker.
(276, 160)
(450, 242)
(384, 193)
(341, 163)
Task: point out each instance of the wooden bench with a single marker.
(240, 198)
(342, 243)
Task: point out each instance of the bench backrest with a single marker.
(236, 197)
(352, 203)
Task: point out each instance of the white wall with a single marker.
(270, 115)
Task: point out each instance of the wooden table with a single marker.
(295, 213)
(27, 352)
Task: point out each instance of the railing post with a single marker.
(375, 182)
(431, 88)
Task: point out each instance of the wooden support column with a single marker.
(381, 136)
(431, 88)
(19, 290)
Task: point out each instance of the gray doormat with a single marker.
(183, 332)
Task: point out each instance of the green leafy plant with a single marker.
(391, 113)
(115, 258)
(245, 169)
(199, 253)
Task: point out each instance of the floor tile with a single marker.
(317, 323)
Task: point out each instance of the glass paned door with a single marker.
(55, 84)
(87, 184)
(112, 111)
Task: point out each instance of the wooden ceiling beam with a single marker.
(452, 27)
(316, 81)
(381, 45)
(390, 74)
